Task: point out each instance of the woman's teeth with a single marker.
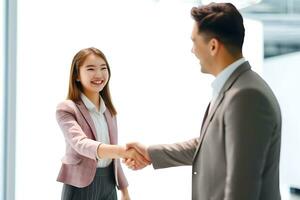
(97, 82)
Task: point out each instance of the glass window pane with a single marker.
(2, 99)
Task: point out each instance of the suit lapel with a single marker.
(111, 127)
(211, 114)
(85, 113)
(208, 117)
(241, 69)
(205, 115)
(110, 122)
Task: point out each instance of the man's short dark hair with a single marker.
(223, 22)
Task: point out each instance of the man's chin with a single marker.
(204, 71)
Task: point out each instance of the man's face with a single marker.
(201, 49)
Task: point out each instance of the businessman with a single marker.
(236, 155)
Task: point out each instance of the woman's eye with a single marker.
(104, 68)
(90, 69)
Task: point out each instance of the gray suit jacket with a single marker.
(236, 156)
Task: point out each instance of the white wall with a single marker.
(156, 85)
(282, 73)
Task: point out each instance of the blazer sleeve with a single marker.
(123, 183)
(122, 180)
(73, 133)
(172, 155)
(249, 125)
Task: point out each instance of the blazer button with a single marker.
(194, 173)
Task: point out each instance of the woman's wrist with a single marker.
(124, 191)
(122, 151)
(111, 151)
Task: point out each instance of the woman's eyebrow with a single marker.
(90, 66)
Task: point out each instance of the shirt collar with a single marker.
(90, 106)
(223, 76)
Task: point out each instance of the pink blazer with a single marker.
(79, 162)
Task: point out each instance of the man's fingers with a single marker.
(135, 160)
(142, 159)
(131, 145)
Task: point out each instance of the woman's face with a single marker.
(93, 75)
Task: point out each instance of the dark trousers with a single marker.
(103, 187)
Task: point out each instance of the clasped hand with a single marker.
(136, 156)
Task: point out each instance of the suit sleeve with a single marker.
(123, 183)
(249, 124)
(172, 155)
(74, 135)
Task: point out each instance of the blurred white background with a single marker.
(156, 85)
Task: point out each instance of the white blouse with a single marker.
(100, 123)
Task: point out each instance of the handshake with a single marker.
(136, 156)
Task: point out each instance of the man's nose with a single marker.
(192, 49)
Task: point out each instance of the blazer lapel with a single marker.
(207, 120)
(111, 127)
(85, 113)
(241, 69)
(205, 115)
(211, 113)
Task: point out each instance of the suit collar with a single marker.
(224, 75)
(90, 106)
(240, 70)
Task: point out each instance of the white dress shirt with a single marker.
(100, 125)
(221, 79)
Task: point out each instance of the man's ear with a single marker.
(214, 46)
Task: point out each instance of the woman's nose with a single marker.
(99, 71)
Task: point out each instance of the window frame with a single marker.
(9, 97)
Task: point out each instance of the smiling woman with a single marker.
(88, 122)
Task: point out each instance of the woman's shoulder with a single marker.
(66, 104)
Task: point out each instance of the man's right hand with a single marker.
(142, 150)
